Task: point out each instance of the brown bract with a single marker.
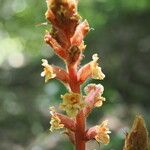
(137, 139)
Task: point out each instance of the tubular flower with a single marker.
(102, 133)
(98, 98)
(72, 103)
(55, 121)
(96, 70)
(48, 71)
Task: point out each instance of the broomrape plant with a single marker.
(66, 38)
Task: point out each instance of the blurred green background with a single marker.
(120, 35)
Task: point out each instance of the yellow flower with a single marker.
(48, 71)
(102, 133)
(55, 121)
(96, 70)
(98, 98)
(72, 103)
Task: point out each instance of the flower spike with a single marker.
(66, 38)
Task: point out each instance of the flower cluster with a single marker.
(66, 39)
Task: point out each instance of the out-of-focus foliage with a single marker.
(120, 33)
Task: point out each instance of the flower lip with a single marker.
(48, 72)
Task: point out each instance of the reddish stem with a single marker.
(80, 130)
(90, 133)
(80, 118)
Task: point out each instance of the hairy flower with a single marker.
(102, 133)
(98, 98)
(95, 69)
(55, 121)
(48, 71)
(72, 103)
